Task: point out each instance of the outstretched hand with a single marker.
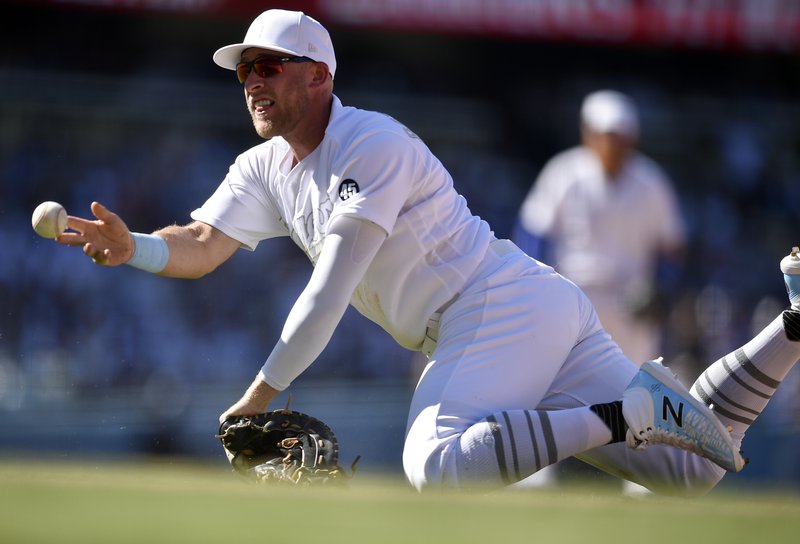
(106, 240)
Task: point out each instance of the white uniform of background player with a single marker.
(517, 354)
(606, 230)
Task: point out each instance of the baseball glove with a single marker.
(282, 446)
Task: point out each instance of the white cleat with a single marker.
(660, 410)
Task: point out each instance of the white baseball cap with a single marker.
(290, 32)
(610, 111)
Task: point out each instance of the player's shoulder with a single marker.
(266, 147)
(351, 126)
(567, 166)
(264, 151)
(570, 158)
(646, 169)
(262, 159)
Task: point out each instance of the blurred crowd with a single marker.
(153, 145)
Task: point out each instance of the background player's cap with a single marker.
(290, 32)
(610, 111)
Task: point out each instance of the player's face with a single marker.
(611, 149)
(277, 102)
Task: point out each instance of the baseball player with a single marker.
(605, 216)
(520, 372)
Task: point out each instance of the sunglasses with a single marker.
(265, 66)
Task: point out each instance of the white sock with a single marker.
(740, 385)
(510, 446)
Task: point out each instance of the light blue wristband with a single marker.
(150, 252)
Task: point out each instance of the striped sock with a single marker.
(740, 385)
(510, 446)
(791, 324)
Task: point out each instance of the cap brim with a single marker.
(230, 55)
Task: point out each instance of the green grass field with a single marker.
(56, 502)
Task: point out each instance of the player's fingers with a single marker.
(103, 213)
(232, 412)
(110, 225)
(98, 257)
(71, 239)
(97, 209)
(241, 408)
(88, 249)
(232, 417)
(79, 224)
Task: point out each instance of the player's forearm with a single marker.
(195, 249)
(349, 249)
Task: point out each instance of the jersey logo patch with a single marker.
(347, 189)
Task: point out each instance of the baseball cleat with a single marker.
(790, 266)
(660, 410)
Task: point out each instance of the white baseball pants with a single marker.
(520, 338)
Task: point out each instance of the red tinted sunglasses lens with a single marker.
(263, 67)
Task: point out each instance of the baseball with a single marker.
(49, 219)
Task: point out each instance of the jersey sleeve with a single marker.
(240, 207)
(348, 251)
(374, 178)
(539, 210)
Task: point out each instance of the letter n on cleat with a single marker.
(677, 416)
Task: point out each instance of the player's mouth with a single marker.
(262, 105)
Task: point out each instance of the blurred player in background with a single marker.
(606, 217)
(520, 374)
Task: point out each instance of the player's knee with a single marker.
(429, 469)
(423, 473)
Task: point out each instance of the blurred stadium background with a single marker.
(119, 101)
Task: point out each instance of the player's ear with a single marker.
(320, 75)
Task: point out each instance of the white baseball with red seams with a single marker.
(49, 219)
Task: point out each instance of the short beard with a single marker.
(281, 125)
(265, 129)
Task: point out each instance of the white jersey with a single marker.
(606, 235)
(603, 234)
(372, 167)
